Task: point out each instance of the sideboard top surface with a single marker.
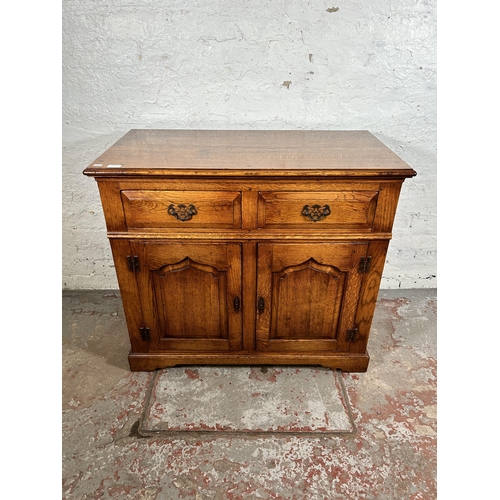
(254, 153)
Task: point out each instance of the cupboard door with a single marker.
(307, 296)
(190, 295)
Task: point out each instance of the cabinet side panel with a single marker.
(368, 295)
(112, 205)
(349, 309)
(386, 207)
(129, 294)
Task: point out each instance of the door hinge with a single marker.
(352, 334)
(364, 264)
(133, 263)
(145, 335)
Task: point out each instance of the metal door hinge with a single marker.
(352, 334)
(364, 264)
(133, 263)
(145, 335)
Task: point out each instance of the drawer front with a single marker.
(182, 209)
(343, 210)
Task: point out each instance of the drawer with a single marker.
(343, 210)
(181, 209)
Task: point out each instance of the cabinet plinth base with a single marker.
(154, 361)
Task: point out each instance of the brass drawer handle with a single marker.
(182, 212)
(316, 212)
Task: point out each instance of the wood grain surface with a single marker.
(249, 153)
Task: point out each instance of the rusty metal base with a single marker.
(246, 400)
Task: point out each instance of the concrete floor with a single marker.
(392, 454)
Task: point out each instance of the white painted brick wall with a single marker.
(264, 64)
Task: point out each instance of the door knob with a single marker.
(237, 304)
(260, 305)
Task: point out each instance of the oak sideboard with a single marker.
(249, 247)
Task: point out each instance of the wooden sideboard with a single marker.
(249, 247)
